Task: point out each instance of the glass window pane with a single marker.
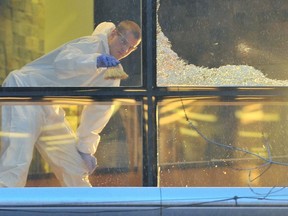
(42, 127)
(222, 43)
(241, 142)
(31, 29)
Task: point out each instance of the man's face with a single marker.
(122, 44)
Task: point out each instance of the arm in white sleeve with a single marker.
(79, 57)
(94, 118)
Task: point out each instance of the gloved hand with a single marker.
(105, 60)
(90, 161)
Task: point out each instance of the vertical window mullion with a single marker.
(149, 83)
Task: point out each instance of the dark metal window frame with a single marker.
(149, 93)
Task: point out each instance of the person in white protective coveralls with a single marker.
(81, 62)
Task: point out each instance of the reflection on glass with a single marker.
(222, 43)
(119, 153)
(212, 142)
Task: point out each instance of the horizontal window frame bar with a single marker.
(124, 92)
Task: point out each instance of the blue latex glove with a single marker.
(105, 60)
(90, 161)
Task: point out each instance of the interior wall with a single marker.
(66, 20)
(30, 28)
(21, 33)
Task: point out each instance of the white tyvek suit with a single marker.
(71, 65)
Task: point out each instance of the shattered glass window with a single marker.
(222, 43)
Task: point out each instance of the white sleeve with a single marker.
(77, 58)
(93, 119)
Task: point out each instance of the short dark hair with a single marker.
(128, 25)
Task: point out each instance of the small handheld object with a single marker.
(115, 73)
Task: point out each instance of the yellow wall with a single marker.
(66, 20)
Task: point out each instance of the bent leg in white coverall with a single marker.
(45, 128)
